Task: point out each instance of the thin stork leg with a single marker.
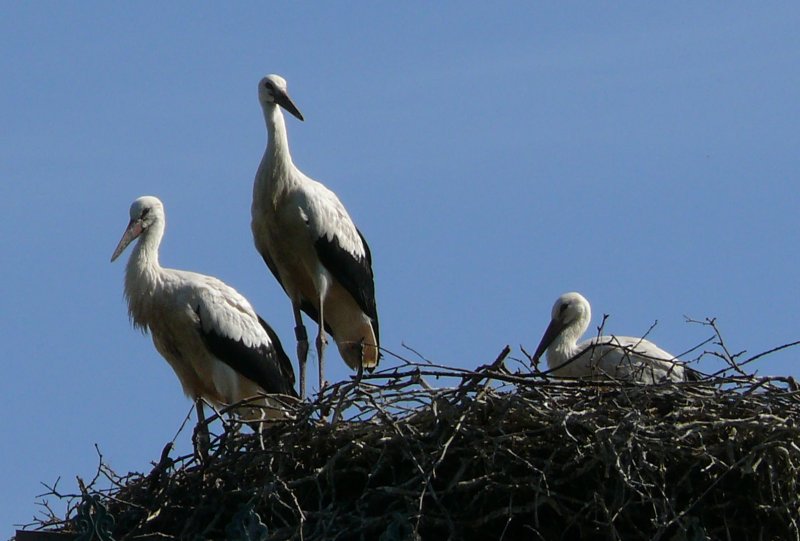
(201, 437)
(302, 347)
(360, 373)
(321, 342)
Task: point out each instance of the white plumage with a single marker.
(219, 348)
(618, 357)
(312, 246)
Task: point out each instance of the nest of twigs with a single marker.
(431, 452)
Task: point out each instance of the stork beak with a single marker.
(131, 233)
(286, 102)
(550, 334)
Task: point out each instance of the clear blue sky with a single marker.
(495, 156)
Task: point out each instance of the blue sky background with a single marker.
(495, 156)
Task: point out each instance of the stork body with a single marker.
(219, 348)
(312, 247)
(619, 357)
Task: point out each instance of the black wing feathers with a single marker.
(266, 365)
(373, 309)
(354, 273)
(691, 374)
(284, 364)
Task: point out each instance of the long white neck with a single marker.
(277, 160)
(143, 273)
(565, 346)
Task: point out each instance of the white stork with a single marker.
(220, 349)
(618, 357)
(312, 246)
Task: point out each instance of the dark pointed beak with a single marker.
(133, 231)
(550, 334)
(286, 102)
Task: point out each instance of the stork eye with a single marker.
(145, 212)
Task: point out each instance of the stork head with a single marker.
(146, 212)
(272, 90)
(571, 311)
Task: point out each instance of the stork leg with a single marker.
(360, 373)
(321, 341)
(201, 438)
(302, 347)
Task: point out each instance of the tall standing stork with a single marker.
(619, 357)
(312, 246)
(220, 349)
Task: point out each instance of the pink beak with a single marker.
(132, 232)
